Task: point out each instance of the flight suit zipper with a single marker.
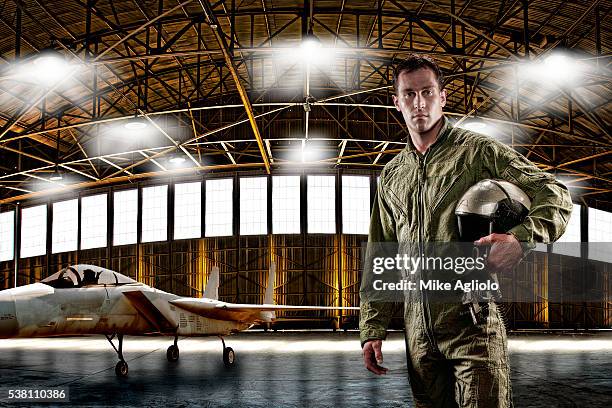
(421, 211)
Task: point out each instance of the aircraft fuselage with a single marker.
(39, 310)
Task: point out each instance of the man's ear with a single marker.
(396, 102)
(443, 98)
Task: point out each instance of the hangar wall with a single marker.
(313, 269)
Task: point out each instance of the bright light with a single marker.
(311, 51)
(47, 69)
(56, 176)
(560, 68)
(310, 47)
(557, 345)
(556, 69)
(484, 127)
(135, 124)
(475, 126)
(177, 160)
(309, 153)
(556, 60)
(50, 68)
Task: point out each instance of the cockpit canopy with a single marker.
(78, 276)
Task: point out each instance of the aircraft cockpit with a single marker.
(78, 276)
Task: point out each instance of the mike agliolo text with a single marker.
(436, 285)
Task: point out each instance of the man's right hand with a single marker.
(373, 357)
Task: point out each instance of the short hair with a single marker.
(414, 62)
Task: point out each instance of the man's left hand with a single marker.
(505, 254)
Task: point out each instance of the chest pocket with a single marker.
(446, 182)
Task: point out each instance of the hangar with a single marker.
(163, 138)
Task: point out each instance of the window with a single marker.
(65, 229)
(219, 207)
(321, 205)
(569, 242)
(93, 221)
(7, 230)
(253, 205)
(125, 217)
(154, 214)
(187, 210)
(600, 232)
(286, 204)
(34, 231)
(355, 204)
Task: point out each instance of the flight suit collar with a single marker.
(445, 130)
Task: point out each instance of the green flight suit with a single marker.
(452, 361)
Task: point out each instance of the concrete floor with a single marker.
(288, 369)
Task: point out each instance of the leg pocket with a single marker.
(482, 386)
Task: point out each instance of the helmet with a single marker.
(490, 206)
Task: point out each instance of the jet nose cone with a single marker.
(8, 317)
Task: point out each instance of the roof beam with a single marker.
(243, 95)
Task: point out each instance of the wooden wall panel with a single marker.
(325, 270)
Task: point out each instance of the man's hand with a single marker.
(373, 358)
(505, 252)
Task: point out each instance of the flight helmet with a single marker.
(490, 206)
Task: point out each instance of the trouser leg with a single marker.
(481, 364)
(431, 377)
(465, 365)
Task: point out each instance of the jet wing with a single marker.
(266, 308)
(149, 311)
(242, 312)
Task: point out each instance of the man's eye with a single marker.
(428, 92)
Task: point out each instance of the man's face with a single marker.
(420, 99)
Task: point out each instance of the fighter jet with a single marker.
(87, 299)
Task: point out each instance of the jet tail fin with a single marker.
(212, 285)
(269, 294)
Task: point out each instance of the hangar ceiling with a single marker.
(229, 85)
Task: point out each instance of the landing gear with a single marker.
(229, 356)
(121, 369)
(173, 351)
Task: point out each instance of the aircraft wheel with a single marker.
(229, 357)
(173, 353)
(121, 369)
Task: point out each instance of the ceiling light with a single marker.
(177, 160)
(49, 68)
(311, 43)
(312, 51)
(309, 48)
(559, 68)
(556, 59)
(57, 175)
(475, 125)
(135, 124)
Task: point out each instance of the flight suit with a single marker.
(452, 361)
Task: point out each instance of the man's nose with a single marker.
(419, 102)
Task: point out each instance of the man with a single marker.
(451, 360)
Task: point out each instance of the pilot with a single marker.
(452, 362)
(90, 277)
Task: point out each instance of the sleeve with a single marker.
(551, 203)
(374, 316)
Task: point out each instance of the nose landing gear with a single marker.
(121, 369)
